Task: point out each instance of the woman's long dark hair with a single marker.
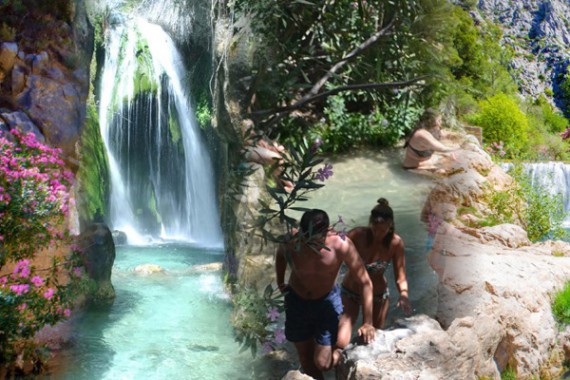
(382, 212)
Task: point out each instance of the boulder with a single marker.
(98, 255)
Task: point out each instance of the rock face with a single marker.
(538, 32)
(44, 89)
(494, 293)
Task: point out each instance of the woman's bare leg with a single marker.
(379, 312)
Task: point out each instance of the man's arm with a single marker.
(358, 271)
(280, 267)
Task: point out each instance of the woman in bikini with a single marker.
(424, 141)
(378, 246)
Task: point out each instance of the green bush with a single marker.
(529, 205)
(544, 212)
(561, 305)
(555, 121)
(342, 130)
(502, 120)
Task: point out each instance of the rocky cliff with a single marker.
(494, 293)
(538, 32)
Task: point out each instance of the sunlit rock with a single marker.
(148, 269)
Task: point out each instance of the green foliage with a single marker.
(7, 33)
(93, 170)
(253, 320)
(298, 42)
(565, 90)
(475, 63)
(529, 205)
(509, 374)
(502, 120)
(555, 121)
(561, 305)
(343, 130)
(203, 113)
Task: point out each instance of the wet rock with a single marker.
(98, 255)
(148, 269)
(119, 237)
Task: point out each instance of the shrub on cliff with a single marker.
(561, 305)
(502, 120)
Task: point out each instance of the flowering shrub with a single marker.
(34, 196)
(496, 149)
(34, 201)
(258, 319)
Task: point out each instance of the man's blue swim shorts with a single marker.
(318, 319)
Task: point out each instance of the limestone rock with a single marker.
(296, 375)
(148, 269)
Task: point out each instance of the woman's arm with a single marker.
(424, 140)
(399, 261)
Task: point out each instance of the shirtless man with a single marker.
(312, 298)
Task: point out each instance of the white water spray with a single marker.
(162, 182)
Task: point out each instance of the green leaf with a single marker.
(302, 209)
(304, 2)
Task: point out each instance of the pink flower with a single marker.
(273, 314)
(279, 336)
(267, 347)
(78, 272)
(20, 288)
(67, 313)
(25, 272)
(37, 281)
(22, 307)
(49, 293)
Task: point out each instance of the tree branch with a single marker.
(354, 53)
(352, 87)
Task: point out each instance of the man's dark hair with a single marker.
(314, 221)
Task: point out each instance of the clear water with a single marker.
(175, 325)
(171, 325)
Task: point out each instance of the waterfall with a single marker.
(162, 182)
(554, 176)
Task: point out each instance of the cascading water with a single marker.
(162, 181)
(554, 176)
